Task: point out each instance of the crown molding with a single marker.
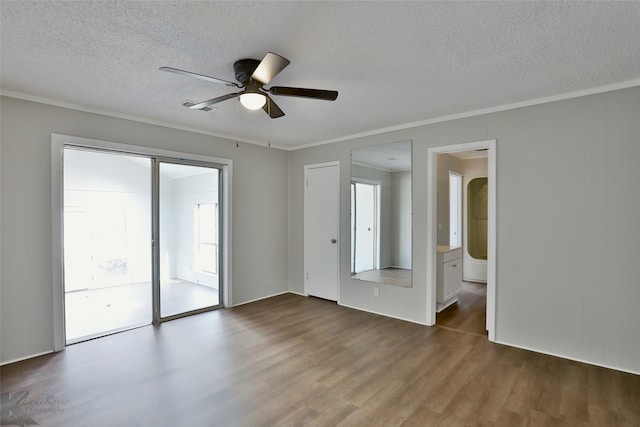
(489, 110)
(85, 109)
(496, 109)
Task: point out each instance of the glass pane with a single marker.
(189, 224)
(477, 202)
(107, 234)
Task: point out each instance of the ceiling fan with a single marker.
(252, 75)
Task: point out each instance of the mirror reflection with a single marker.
(381, 214)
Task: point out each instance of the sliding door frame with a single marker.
(156, 236)
(58, 144)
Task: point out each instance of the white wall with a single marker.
(568, 237)
(260, 223)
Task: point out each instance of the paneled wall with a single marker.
(568, 235)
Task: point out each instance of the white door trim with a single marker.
(305, 224)
(58, 142)
(432, 153)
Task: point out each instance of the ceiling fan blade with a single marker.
(199, 76)
(210, 102)
(326, 95)
(272, 109)
(269, 67)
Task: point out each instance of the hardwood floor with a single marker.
(291, 360)
(469, 314)
(390, 275)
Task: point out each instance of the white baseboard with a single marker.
(298, 293)
(261, 298)
(575, 359)
(384, 314)
(20, 359)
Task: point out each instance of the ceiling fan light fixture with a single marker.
(253, 100)
(252, 75)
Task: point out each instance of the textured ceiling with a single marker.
(392, 62)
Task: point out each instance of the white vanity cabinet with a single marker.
(448, 275)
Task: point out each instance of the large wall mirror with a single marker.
(381, 214)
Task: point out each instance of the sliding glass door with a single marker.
(107, 230)
(141, 240)
(189, 230)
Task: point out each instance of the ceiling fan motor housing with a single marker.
(244, 68)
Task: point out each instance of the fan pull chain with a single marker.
(269, 122)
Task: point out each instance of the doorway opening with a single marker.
(189, 225)
(107, 230)
(365, 218)
(460, 303)
(142, 237)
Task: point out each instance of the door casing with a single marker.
(58, 143)
(432, 228)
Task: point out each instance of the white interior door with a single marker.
(321, 225)
(364, 229)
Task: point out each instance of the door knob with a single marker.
(333, 240)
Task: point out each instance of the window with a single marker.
(206, 237)
(455, 209)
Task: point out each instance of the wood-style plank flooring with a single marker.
(391, 276)
(291, 360)
(469, 314)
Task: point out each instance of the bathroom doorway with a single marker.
(471, 305)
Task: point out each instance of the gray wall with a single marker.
(568, 235)
(446, 163)
(401, 219)
(568, 238)
(260, 240)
